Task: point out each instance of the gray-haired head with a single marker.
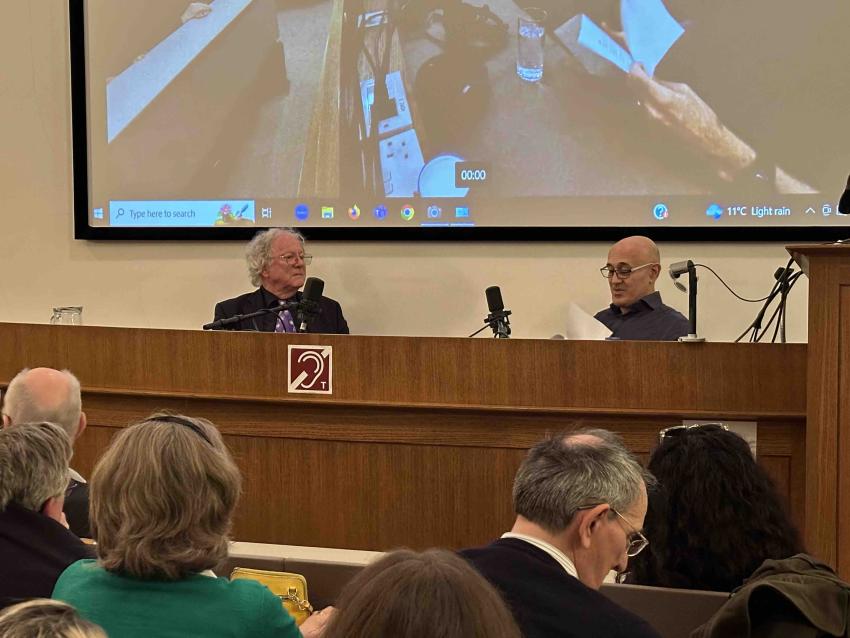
(33, 464)
(564, 473)
(258, 251)
(44, 394)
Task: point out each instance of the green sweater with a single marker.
(194, 606)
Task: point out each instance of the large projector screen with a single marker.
(441, 118)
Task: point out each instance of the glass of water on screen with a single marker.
(531, 34)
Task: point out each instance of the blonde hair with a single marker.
(162, 498)
(33, 464)
(44, 618)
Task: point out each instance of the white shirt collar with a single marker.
(550, 549)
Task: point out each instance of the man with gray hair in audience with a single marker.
(278, 264)
(35, 544)
(580, 501)
(45, 394)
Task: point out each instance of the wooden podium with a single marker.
(828, 405)
(418, 444)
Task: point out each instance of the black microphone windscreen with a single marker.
(313, 289)
(494, 299)
(844, 203)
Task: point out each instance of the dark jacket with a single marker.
(34, 551)
(77, 508)
(796, 597)
(329, 320)
(545, 600)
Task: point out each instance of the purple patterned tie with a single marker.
(284, 322)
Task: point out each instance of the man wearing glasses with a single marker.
(278, 265)
(580, 502)
(636, 310)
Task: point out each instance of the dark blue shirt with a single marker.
(647, 320)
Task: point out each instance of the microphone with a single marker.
(680, 268)
(498, 317)
(844, 203)
(309, 304)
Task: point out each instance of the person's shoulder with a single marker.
(330, 302)
(263, 611)
(81, 571)
(513, 555)
(240, 299)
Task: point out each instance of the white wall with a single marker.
(385, 288)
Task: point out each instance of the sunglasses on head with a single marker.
(679, 430)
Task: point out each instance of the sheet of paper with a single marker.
(597, 52)
(580, 326)
(650, 31)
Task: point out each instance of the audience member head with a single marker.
(44, 618)
(276, 261)
(585, 494)
(34, 467)
(634, 264)
(45, 394)
(162, 498)
(435, 593)
(715, 515)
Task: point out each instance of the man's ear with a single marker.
(588, 521)
(81, 426)
(6, 421)
(655, 269)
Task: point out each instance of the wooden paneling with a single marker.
(827, 504)
(420, 441)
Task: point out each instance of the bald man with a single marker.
(45, 394)
(636, 311)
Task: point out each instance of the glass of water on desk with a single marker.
(531, 33)
(67, 316)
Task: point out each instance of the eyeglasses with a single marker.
(637, 541)
(290, 259)
(623, 272)
(678, 430)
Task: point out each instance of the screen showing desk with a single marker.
(347, 114)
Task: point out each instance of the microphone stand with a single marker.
(227, 321)
(692, 336)
(500, 324)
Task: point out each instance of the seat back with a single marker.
(674, 613)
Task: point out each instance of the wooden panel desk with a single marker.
(420, 440)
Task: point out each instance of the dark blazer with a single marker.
(546, 601)
(328, 321)
(34, 551)
(77, 508)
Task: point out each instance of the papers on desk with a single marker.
(580, 326)
(649, 30)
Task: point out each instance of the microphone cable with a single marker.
(720, 279)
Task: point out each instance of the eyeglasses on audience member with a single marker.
(623, 272)
(290, 259)
(637, 542)
(678, 430)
